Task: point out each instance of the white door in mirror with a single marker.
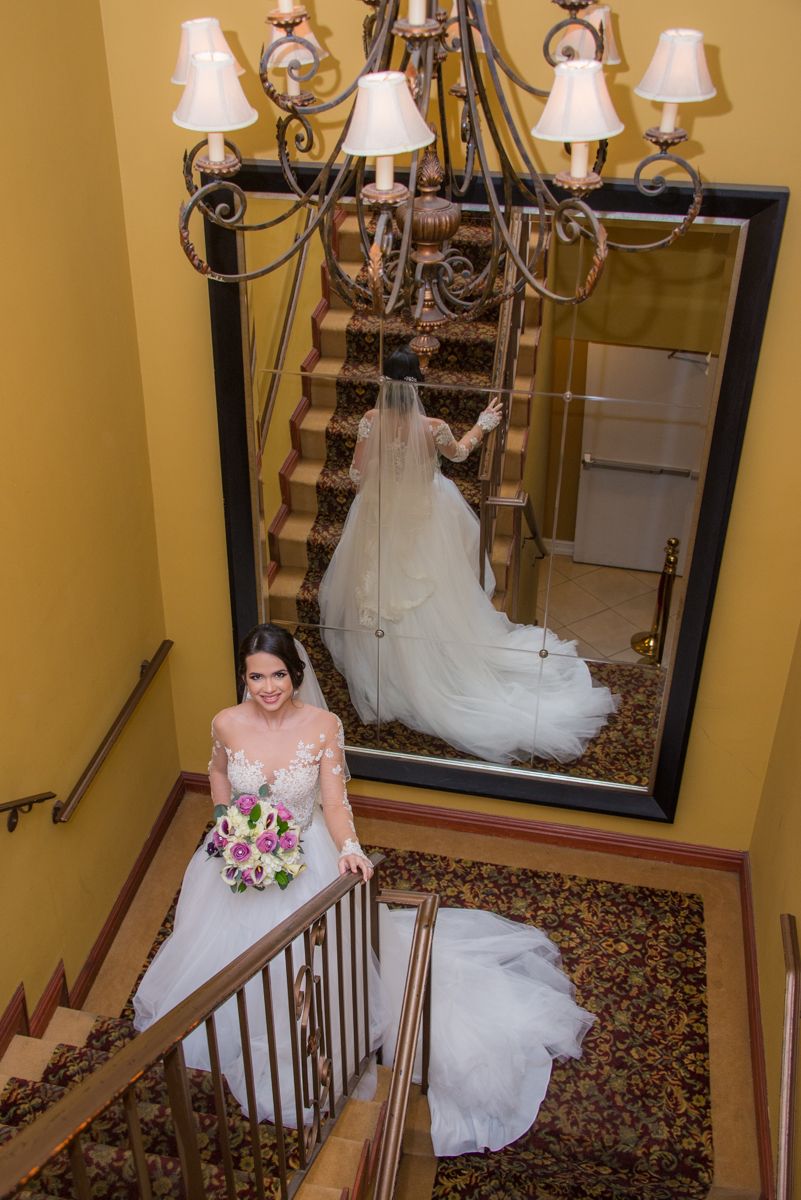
(645, 421)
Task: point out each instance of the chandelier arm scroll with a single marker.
(565, 215)
(569, 52)
(655, 187)
(383, 24)
(515, 78)
(204, 268)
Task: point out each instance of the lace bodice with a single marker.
(309, 758)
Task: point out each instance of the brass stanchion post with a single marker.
(652, 645)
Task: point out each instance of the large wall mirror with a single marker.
(593, 518)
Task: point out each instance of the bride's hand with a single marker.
(355, 863)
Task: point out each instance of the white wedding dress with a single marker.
(445, 663)
(501, 1008)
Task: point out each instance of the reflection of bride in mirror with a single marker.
(407, 563)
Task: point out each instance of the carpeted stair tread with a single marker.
(23, 1100)
(112, 1175)
(109, 1034)
(69, 1065)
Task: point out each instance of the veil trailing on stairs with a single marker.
(411, 629)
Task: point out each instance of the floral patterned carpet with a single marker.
(630, 1120)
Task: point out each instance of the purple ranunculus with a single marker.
(288, 841)
(266, 842)
(246, 803)
(219, 840)
(212, 850)
(240, 852)
(247, 878)
(284, 814)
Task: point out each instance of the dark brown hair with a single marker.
(403, 364)
(271, 639)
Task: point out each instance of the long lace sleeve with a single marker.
(334, 795)
(448, 445)
(218, 769)
(362, 435)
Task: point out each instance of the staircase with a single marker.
(343, 366)
(76, 1044)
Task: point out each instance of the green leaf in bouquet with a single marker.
(282, 879)
(219, 811)
(264, 790)
(282, 826)
(255, 813)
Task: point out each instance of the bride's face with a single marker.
(268, 681)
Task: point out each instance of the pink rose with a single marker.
(219, 840)
(240, 852)
(266, 842)
(288, 841)
(246, 804)
(284, 814)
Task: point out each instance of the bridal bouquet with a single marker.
(257, 840)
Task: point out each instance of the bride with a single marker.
(407, 564)
(501, 1008)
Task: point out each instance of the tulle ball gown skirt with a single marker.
(449, 665)
(501, 1007)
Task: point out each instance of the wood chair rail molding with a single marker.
(15, 1018)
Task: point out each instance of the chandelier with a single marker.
(410, 267)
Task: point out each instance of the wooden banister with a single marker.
(785, 1187)
(63, 809)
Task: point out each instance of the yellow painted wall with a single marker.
(80, 605)
(776, 873)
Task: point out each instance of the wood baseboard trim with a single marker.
(14, 1020)
(493, 825)
(756, 1038)
(631, 846)
(90, 969)
(285, 473)
(317, 318)
(55, 993)
(196, 782)
(296, 420)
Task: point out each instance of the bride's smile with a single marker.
(269, 684)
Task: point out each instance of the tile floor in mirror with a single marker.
(601, 608)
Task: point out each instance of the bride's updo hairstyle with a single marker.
(403, 364)
(271, 639)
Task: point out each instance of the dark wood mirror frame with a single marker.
(764, 209)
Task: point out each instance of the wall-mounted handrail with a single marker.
(25, 805)
(521, 506)
(789, 1083)
(63, 809)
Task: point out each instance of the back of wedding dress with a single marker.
(398, 462)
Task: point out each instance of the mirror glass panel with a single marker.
(511, 597)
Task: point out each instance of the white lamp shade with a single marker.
(582, 42)
(477, 38)
(213, 100)
(385, 118)
(678, 71)
(293, 52)
(579, 108)
(204, 33)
